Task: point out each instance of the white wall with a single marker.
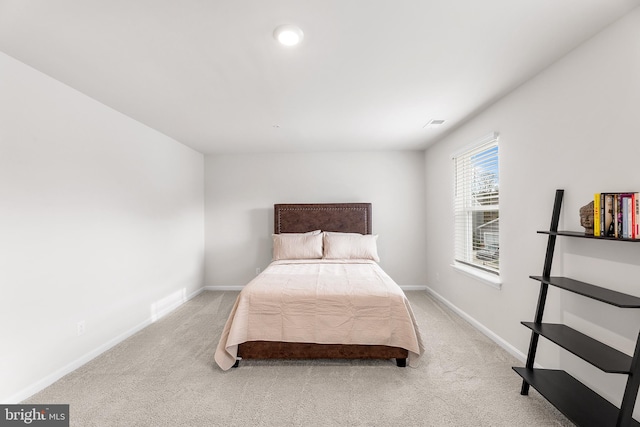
(101, 220)
(575, 126)
(242, 189)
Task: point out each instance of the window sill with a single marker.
(486, 278)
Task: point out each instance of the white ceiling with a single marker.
(368, 76)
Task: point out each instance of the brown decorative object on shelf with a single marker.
(586, 217)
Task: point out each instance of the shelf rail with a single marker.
(544, 287)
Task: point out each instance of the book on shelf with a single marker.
(607, 211)
(636, 216)
(617, 215)
(596, 214)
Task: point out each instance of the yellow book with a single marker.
(596, 214)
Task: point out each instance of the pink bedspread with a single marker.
(323, 302)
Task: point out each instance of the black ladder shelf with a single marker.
(581, 405)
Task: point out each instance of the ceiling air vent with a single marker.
(434, 123)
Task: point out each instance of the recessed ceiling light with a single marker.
(288, 35)
(434, 123)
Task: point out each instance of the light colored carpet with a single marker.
(165, 376)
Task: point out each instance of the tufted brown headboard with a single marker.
(341, 217)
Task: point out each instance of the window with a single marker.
(476, 206)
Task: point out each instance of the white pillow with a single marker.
(350, 246)
(297, 245)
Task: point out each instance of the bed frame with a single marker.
(300, 218)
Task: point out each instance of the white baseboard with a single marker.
(239, 288)
(413, 288)
(479, 326)
(223, 288)
(55, 376)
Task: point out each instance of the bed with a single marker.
(326, 303)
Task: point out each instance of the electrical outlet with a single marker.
(81, 327)
(257, 271)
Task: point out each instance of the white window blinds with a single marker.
(476, 205)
